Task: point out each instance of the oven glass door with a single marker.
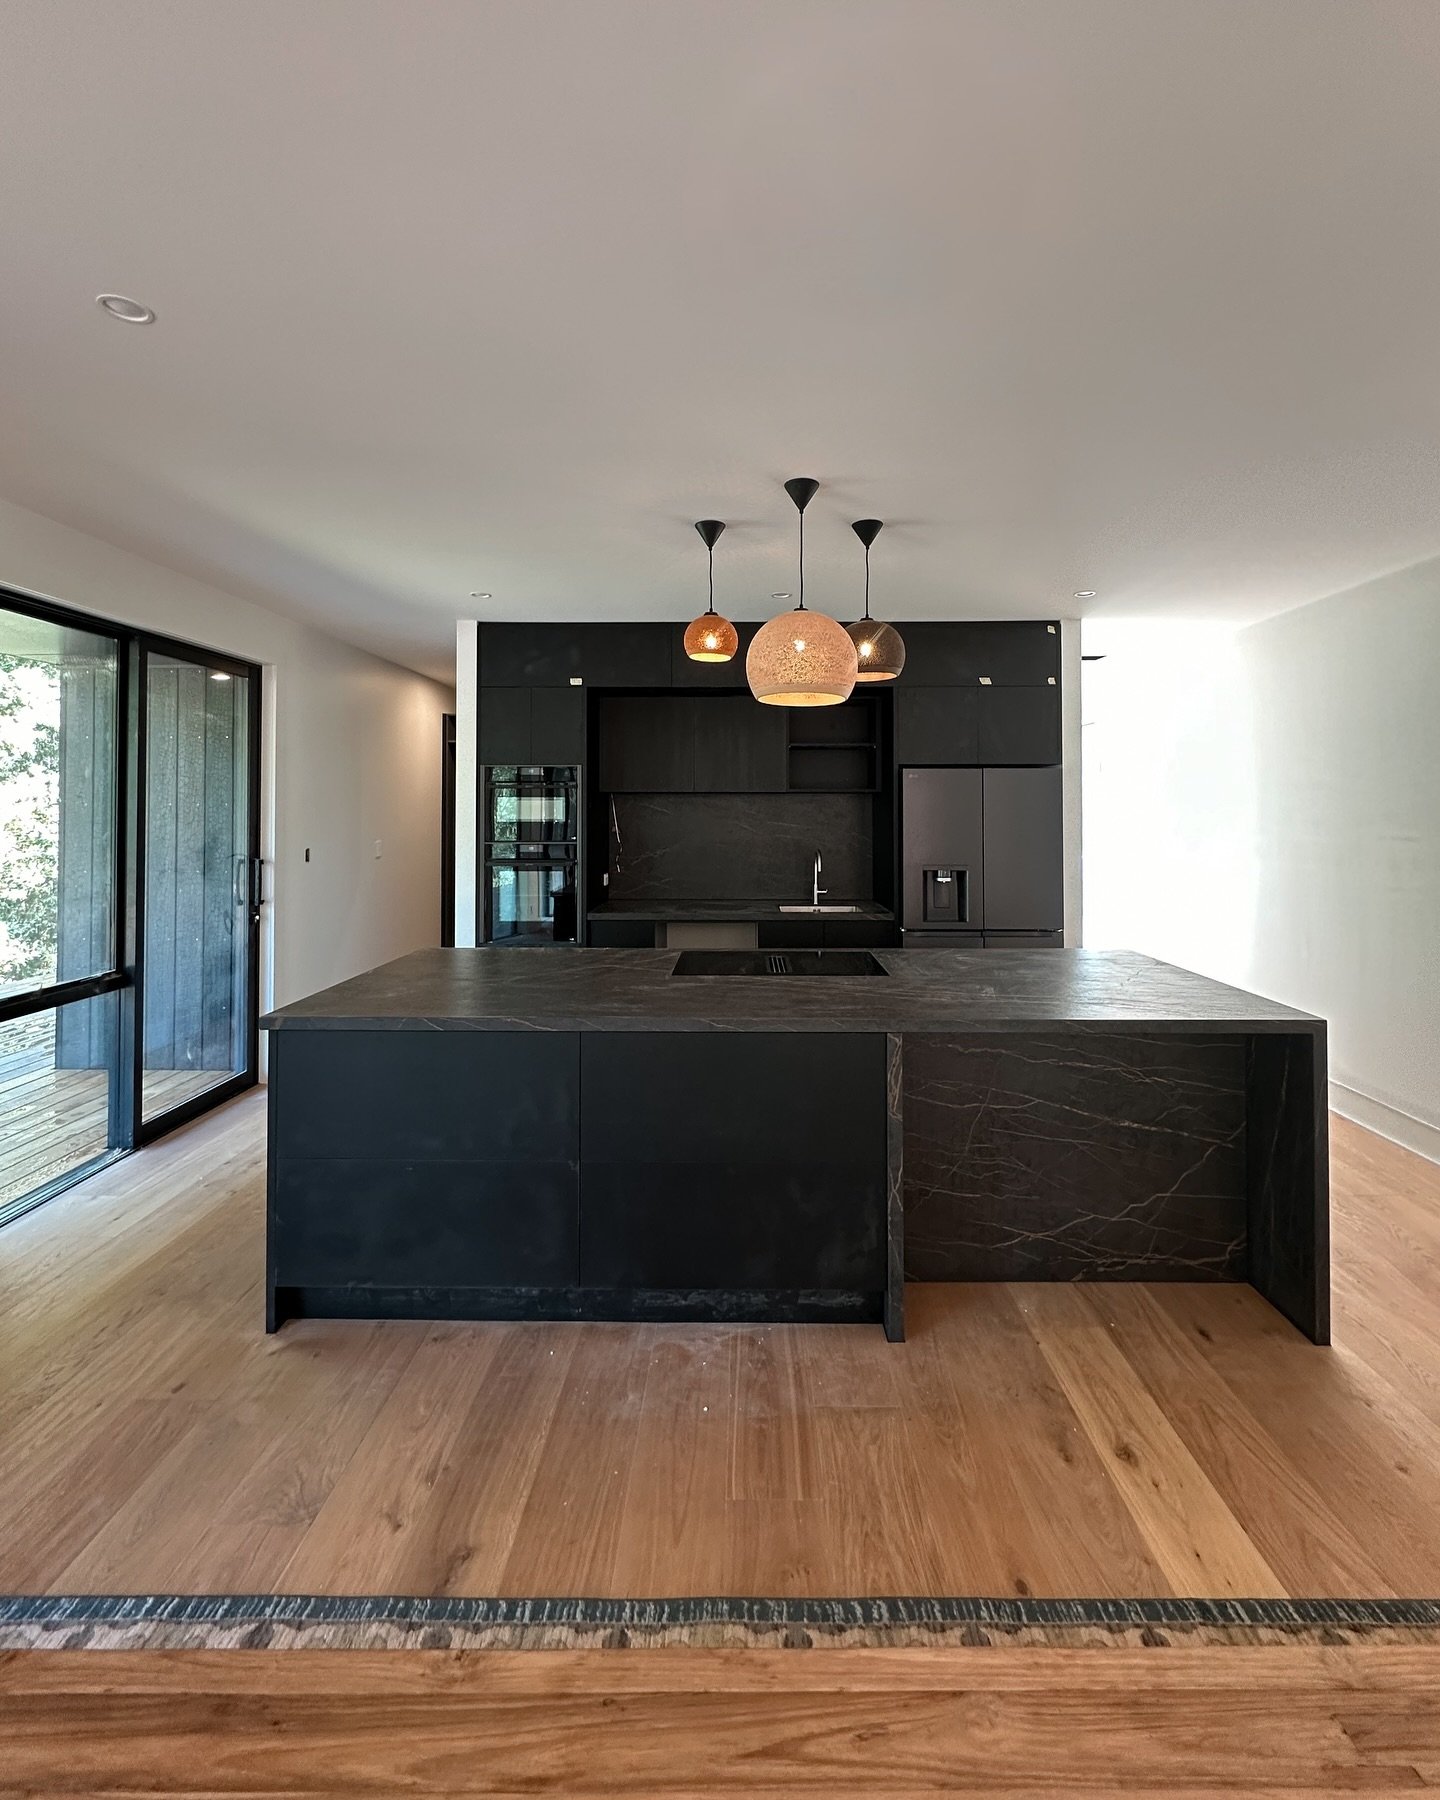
(529, 805)
(532, 901)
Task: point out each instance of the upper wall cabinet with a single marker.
(532, 725)
(682, 744)
(1009, 653)
(936, 724)
(1019, 724)
(647, 746)
(623, 655)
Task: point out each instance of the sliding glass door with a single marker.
(61, 970)
(201, 909)
(129, 891)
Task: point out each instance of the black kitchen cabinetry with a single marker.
(1018, 725)
(622, 934)
(989, 726)
(662, 744)
(529, 1174)
(795, 1201)
(739, 745)
(647, 745)
(621, 655)
(443, 1159)
(936, 725)
(531, 725)
(1008, 653)
(797, 932)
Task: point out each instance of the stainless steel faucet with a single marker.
(816, 889)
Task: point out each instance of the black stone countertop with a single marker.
(721, 911)
(557, 988)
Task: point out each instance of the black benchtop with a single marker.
(555, 988)
(723, 911)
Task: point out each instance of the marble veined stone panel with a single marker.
(1037, 1158)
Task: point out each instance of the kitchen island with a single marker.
(563, 1133)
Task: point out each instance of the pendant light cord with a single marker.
(801, 606)
(867, 581)
(711, 606)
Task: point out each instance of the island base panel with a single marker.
(696, 1305)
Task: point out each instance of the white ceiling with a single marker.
(1133, 295)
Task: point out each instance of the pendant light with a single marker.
(879, 648)
(711, 639)
(801, 658)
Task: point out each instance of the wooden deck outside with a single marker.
(55, 1120)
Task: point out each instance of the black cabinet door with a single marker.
(627, 655)
(557, 725)
(936, 725)
(861, 934)
(407, 1158)
(791, 932)
(1020, 653)
(739, 746)
(504, 734)
(747, 1160)
(687, 674)
(647, 746)
(622, 934)
(1019, 725)
(530, 655)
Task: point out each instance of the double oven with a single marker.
(531, 873)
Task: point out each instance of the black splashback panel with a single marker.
(1033, 1158)
(742, 846)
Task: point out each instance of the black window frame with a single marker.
(129, 1127)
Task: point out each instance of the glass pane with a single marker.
(56, 1070)
(57, 803)
(197, 897)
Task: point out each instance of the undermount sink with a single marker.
(778, 962)
(801, 907)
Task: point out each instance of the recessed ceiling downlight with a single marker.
(131, 311)
(1084, 593)
(476, 595)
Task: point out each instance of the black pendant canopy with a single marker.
(710, 638)
(879, 649)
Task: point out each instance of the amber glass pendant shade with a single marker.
(711, 638)
(879, 649)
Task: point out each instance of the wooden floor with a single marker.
(676, 1725)
(1059, 1440)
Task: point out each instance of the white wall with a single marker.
(353, 754)
(1265, 806)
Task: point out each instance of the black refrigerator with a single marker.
(982, 858)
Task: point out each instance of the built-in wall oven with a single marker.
(531, 875)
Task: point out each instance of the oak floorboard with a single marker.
(1198, 1541)
(153, 1439)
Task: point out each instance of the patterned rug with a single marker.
(398, 1622)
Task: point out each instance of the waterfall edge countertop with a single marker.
(557, 988)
